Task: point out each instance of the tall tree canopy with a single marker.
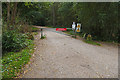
(98, 19)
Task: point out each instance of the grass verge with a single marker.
(13, 62)
(69, 32)
(86, 41)
(92, 42)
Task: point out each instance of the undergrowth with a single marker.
(13, 62)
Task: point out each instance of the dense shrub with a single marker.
(30, 36)
(13, 41)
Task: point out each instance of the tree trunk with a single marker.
(8, 13)
(14, 13)
(53, 13)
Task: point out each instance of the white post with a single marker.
(74, 28)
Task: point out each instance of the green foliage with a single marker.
(36, 18)
(30, 36)
(12, 62)
(92, 42)
(35, 33)
(70, 32)
(34, 29)
(66, 14)
(89, 37)
(43, 37)
(13, 41)
(98, 19)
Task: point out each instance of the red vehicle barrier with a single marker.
(61, 29)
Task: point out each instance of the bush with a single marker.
(13, 41)
(89, 37)
(13, 62)
(30, 36)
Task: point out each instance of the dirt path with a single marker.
(60, 56)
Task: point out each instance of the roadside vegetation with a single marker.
(100, 20)
(17, 39)
(43, 37)
(17, 49)
(13, 62)
(92, 42)
(85, 38)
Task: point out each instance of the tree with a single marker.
(14, 11)
(8, 13)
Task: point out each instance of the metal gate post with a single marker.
(41, 32)
(75, 33)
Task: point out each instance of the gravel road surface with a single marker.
(61, 56)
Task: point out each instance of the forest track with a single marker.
(61, 56)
